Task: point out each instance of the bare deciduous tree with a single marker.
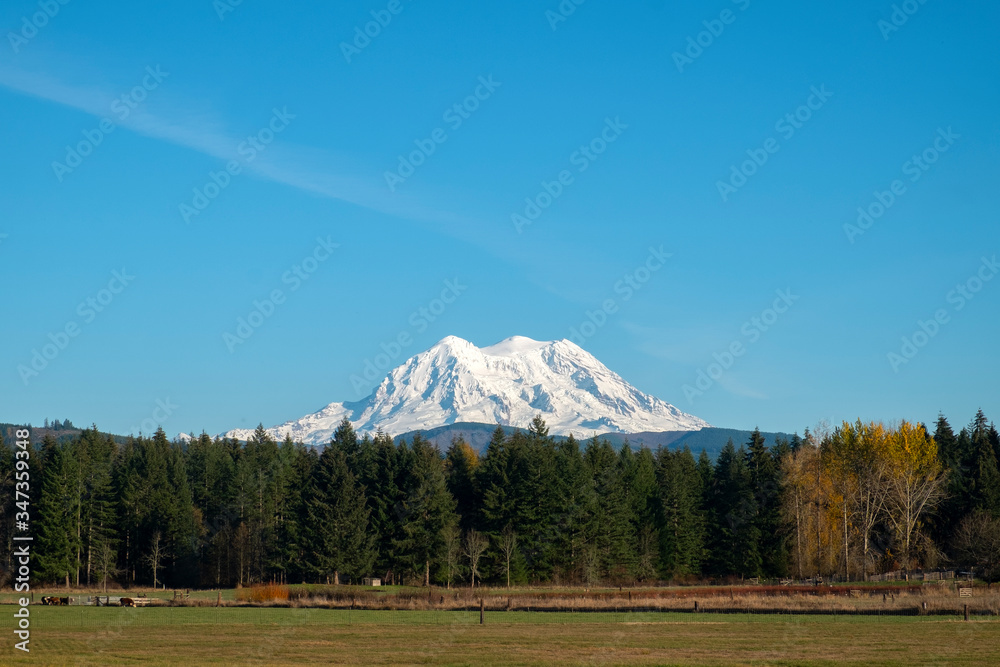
(475, 544)
(157, 553)
(105, 561)
(508, 545)
(452, 540)
(977, 543)
(242, 544)
(646, 566)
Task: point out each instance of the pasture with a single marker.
(286, 636)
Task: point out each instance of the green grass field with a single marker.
(269, 636)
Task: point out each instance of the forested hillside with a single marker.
(860, 499)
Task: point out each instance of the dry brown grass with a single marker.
(271, 636)
(264, 593)
(915, 600)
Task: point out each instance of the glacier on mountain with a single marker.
(507, 383)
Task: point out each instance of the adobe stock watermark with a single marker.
(122, 107)
(918, 165)
(958, 298)
(87, 311)
(751, 332)
(264, 308)
(47, 10)
(247, 150)
(581, 158)
(161, 413)
(706, 38)
(786, 126)
(626, 287)
(419, 321)
(223, 7)
(454, 116)
(562, 12)
(899, 17)
(363, 35)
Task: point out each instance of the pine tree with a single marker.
(55, 555)
(286, 507)
(765, 482)
(985, 486)
(183, 524)
(982, 482)
(338, 519)
(461, 464)
(639, 477)
(682, 519)
(493, 478)
(8, 498)
(614, 539)
(345, 439)
(382, 471)
(427, 512)
(96, 454)
(294, 526)
(130, 506)
(736, 535)
(534, 499)
(574, 520)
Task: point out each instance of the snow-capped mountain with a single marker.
(507, 383)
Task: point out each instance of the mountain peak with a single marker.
(506, 383)
(515, 345)
(453, 341)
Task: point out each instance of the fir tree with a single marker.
(574, 521)
(614, 538)
(736, 535)
(461, 464)
(765, 483)
(382, 471)
(55, 555)
(682, 520)
(427, 513)
(338, 517)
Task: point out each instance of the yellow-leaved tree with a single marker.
(915, 483)
(807, 502)
(853, 455)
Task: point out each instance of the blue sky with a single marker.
(641, 136)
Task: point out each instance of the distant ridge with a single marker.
(710, 439)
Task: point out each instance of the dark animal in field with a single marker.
(127, 602)
(52, 600)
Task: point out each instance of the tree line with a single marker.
(847, 502)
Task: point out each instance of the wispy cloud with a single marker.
(680, 343)
(729, 383)
(308, 169)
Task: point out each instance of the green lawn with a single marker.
(195, 636)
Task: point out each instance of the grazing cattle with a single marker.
(52, 600)
(127, 602)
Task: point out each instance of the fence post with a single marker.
(482, 611)
(966, 612)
